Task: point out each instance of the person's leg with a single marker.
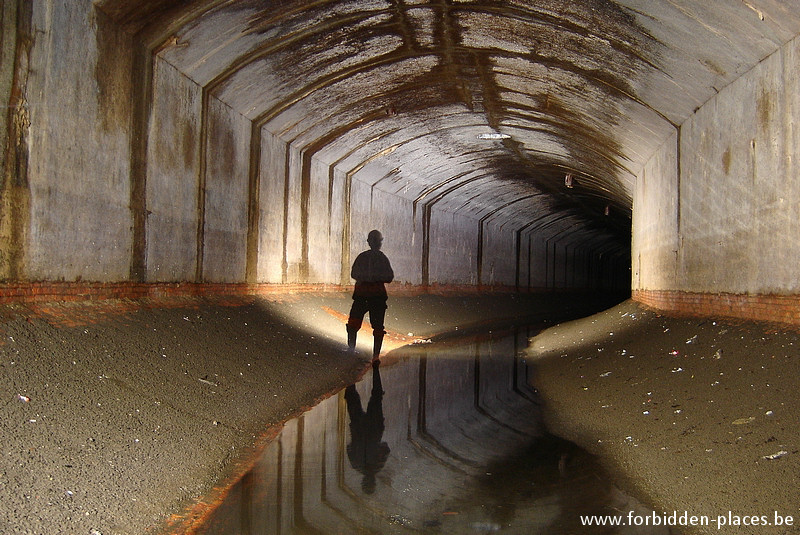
(377, 314)
(354, 409)
(354, 322)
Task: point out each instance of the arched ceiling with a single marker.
(403, 93)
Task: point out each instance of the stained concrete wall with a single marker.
(129, 169)
(271, 212)
(226, 196)
(717, 208)
(655, 220)
(172, 184)
(453, 245)
(78, 218)
(499, 253)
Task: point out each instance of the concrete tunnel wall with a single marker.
(77, 212)
(715, 207)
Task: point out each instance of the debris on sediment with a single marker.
(205, 380)
(486, 526)
(742, 421)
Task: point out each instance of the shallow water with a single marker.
(447, 438)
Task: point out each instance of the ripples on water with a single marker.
(446, 439)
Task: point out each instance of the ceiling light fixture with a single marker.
(493, 135)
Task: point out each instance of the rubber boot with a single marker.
(351, 339)
(377, 344)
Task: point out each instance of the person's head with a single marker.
(375, 239)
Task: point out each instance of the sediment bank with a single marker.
(692, 415)
(120, 413)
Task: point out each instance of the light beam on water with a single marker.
(446, 438)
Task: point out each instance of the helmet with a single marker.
(374, 237)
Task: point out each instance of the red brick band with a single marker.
(48, 291)
(33, 292)
(770, 308)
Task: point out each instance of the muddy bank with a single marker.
(118, 414)
(694, 415)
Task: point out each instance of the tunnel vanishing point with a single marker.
(192, 145)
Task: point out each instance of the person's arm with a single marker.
(387, 275)
(358, 272)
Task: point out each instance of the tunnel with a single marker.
(246, 147)
(531, 145)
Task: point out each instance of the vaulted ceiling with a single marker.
(542, 111)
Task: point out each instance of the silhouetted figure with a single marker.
(372, 271)
(366, 452)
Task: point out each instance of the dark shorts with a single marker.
(376, 306)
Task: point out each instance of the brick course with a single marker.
(782, 309)
(50, 291)
(32, 292)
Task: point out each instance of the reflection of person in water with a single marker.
(372, 271)
(366, 452)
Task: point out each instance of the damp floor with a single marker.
(445, 437)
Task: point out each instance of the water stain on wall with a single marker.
(14, 191)
(113, 73)
(765, 107)
(726, 160)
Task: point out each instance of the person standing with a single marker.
(371, 271)
(367, 451)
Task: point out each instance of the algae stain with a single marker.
(765, 105)
(726, 160)
(112, 72)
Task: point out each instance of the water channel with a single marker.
(443, 438)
